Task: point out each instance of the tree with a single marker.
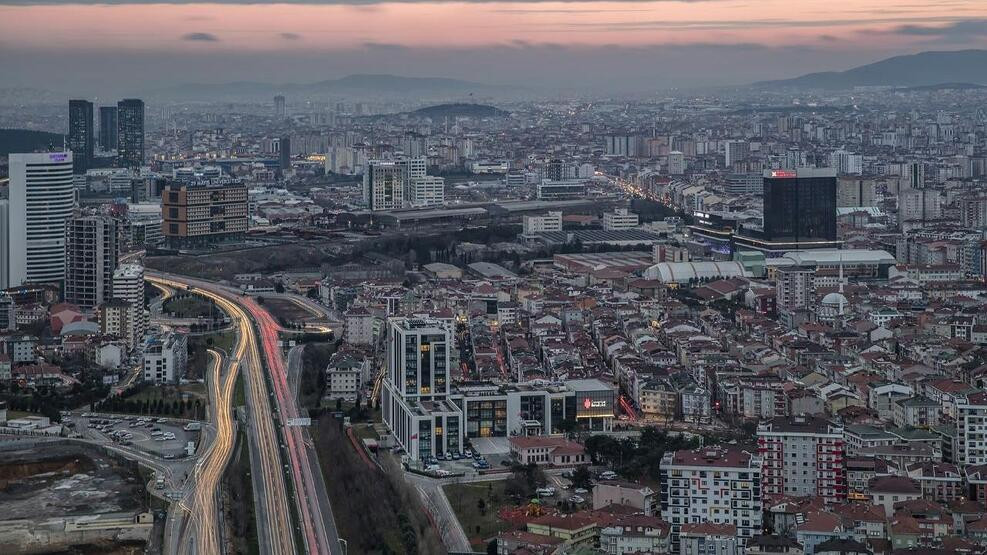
(279, 288)
(481, 506)
(582, 478)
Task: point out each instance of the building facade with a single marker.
(81, 136)
(130, 133)
(166, 358)
(712, 485)
(202, 213)
(41, 199)
(92, 251)
(803, 456)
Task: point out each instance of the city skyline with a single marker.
(131, 47)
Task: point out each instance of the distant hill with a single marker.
(26, 140)
(363, 84)
(925, 69)
(459, 110)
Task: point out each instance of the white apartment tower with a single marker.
(711, 484)
(32, 224)
(128, 286)
(803, 456)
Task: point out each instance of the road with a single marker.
(275, 532)
(322, 494)
(302, 462)
(437, 504)
(201, 501)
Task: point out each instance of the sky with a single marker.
(121, 46)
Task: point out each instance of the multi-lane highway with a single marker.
(317, 530)
(275, 532)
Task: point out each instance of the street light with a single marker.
(345, 545)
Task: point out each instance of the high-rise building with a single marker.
(130, 133)
(32, 223)
(854, 192)
(800, 205)
(280, 109)
(414, 399)
(559, 170)
(620, 145)
(284, 154)
(734, 151)
(81, 136)
(676, 163)
(92, 251)
(803, 456)
(711, 484)
(847, 163)
(383, 185)
(108, 127)
(794, 287)
(128, 286)
(201, 213)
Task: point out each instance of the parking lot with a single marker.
(162, 437)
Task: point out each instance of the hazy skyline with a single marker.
(124, 47)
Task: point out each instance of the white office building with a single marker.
(736, 150)
(32, 221)
(551, 221)
(428, 190)
(620, 219)
(166, 358)
(414, 399)
(567, 189)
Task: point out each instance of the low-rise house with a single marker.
(635, 534)
(544, 450)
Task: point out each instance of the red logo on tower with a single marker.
(587, 403)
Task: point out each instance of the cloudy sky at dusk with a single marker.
(124, 46)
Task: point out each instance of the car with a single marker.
(580, 491)
(169, 456)
(456, 456)
(440, 457)
(448, 456)
(468, 454)
(160, 439)
(608, 475)
(576, 499)
(545, 492)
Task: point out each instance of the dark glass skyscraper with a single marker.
(130, 133)
(800, 205)
(108, 127)
(81, 135)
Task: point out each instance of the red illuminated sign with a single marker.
(587, 403)
(783, 173)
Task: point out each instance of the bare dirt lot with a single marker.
(59, 479)
(265, 260)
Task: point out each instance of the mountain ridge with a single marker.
(923, 69)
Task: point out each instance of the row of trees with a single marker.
(156, 407)
(636, 459)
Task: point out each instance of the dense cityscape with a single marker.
(407, 316)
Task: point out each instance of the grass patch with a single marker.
(182, 401)
(476, 508)
(198, 345)
(377, 511)
(365, 432)
(240, 514)
(190, 306)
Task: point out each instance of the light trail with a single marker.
(272, 499)
(309, 511)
